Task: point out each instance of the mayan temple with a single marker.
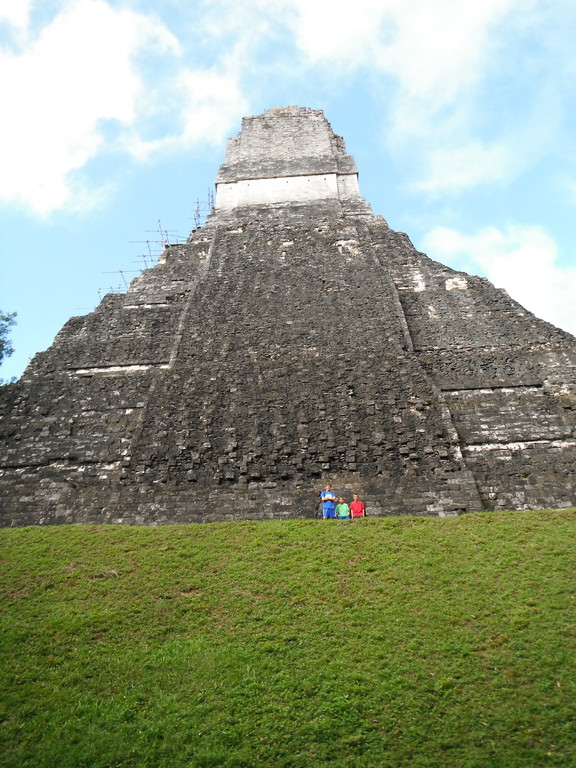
(294, 338)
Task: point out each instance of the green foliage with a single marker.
(420, 642)
(7, 320)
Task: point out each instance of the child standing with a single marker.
(357, 507)
(342, 509)
(328, 498)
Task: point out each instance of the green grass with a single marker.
(444, 643)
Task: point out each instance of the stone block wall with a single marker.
(281, 143)
(292, 379)
(508, 378)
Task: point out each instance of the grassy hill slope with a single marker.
(384, 642)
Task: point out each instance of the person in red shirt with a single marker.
(357, 508)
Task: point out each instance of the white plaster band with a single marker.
(286, 189)
(114, 369)
(479, 448)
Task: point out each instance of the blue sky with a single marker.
(460, 115)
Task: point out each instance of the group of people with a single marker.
(338, 508)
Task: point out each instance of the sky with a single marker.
(115, 113)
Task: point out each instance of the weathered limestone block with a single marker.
(285, 155)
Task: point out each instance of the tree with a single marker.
(6, 321)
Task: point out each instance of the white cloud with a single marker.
(213, 101)
(434, 49)
(419, 41)
(464, 167)
(521, 259)
(427, 60)
(83, 73)
(15, 14)
(204, 103)
(77, 72)
(434, 65)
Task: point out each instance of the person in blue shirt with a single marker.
(328, 502)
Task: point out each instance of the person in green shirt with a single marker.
(342, 509)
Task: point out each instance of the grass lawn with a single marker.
(420, 642)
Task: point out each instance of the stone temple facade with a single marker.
(294, 338)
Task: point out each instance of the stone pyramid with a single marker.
(294, 338)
